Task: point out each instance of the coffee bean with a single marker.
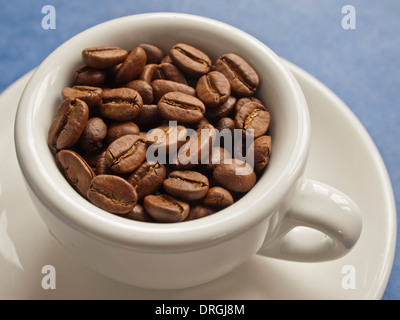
(103, 57)
(217, 156)
(68, 123)
(118, 129)
(165, 208)
(218, 197)
(147, 178)
(167, 138)
(161, 87)
(214, 114)
(148, 117)
(262, 150)
(121, 104)
(112, 193)
(199, 211)
(91, 95)
(167, 71)
(242, 101)
(148, 72)
(78, 173)
(238, 176)
(181, 107)
(253, 116)
(143, 88)
(225, 123)
(87, 76)
(213, 89)
(132, 66)
(126, 153)
(190, 60)
(138, 214)
(243, 78)
(93, 135)
(154, 54)
(101, 165)
(186, 185)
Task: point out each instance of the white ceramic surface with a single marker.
(26, 246)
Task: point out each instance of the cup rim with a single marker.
(145, 236)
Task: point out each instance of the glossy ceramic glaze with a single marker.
(185, 254)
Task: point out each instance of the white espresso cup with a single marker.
(184, 254)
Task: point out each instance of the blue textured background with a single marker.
(361, 66)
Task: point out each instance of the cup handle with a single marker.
(323, 208)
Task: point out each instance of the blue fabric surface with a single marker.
(361, 66)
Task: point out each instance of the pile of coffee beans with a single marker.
(138, 132)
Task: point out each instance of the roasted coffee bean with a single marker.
(118, 129)
(199, 211)
(213, 89)
(242, 101)
(103, 57)
(197, 148)
(147, 178)
(78, 173)
(143, 88)
(261, 149)
(253, 119)
(165, 208)
(166, 59)
(138, 214)
(121, 104)
(91, 95)
(166, 138)
(190, 60)
(101, 165)
(148, 72)
(148, 117)
(214, 114)
(218, 197)
(217, 156)
(132, 66)
(181, 107)
(225, 123)
(68, 123)
(167, 71)
(161, 87)
(237, 176)
(93, 135)
(154, 54)
(187, 185)
(243, 78)
(126, 153)
(87, 76)
(112, 193)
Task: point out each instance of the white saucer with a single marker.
(342, 154)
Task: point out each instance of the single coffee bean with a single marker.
(253, 119)
(166, 138)
(103, 57)
(225, 123)
(121, 104)
(166, 59)
(261, 148)
(148, 72)
(190, 60)
(143, 88)
(187, 185)
(181, 107)
(91, 95)
(68, 123)
(243, 78)
(126, 153)
(138, 214)
(93, 135)
(148, 117)
(199, 211)
(214, 114)
(78, 173)
(87, 76)
(165, 208)
(154, 54)
(112, 193)
(242, 101)
(132, 66)
(161, 87)
(218, 197)
(147, 178)
(197, 149)
(101, 165)
(213, 89)
(168, 71)
(238, 176)
(118, 129)
(217, 156)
